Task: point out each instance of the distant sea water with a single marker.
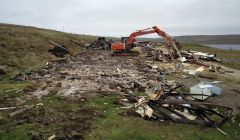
(224, 46)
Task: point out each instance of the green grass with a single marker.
(56, 102)
(114, 126)
(25, 48)
(19, 133)
(9, 87)
(222, 54)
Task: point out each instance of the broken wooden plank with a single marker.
(7, 108)
(21, 110)
(54, 43)
(58, 50)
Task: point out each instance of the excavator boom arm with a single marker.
(154, 29)
(163, 34)
(138, 33)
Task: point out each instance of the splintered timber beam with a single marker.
(55, 44)
(202, 111)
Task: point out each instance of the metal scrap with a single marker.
(204, 90)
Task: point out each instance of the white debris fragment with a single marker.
(186, 114)
(68, 92)
(200, 69)
(52, 137)
(144, 110)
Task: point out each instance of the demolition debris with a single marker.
(174, 89)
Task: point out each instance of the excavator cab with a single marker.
(124, 39)
(120, 45)
(121, 49)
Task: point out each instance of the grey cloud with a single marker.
(119, 18)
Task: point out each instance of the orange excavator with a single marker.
(125, 47)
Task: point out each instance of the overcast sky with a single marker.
(120, 17)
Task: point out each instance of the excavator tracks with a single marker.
(122, 53)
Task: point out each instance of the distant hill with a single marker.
(203, 39)
(209, 39)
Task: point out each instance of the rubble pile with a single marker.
(167, 103)
(101, 43)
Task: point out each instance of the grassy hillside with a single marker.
(209, 39)
(23, 48)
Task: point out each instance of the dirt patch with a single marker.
(52, 116)
(93, 73)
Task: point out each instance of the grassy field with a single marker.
(220, 53)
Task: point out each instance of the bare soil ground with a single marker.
(97, 72)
